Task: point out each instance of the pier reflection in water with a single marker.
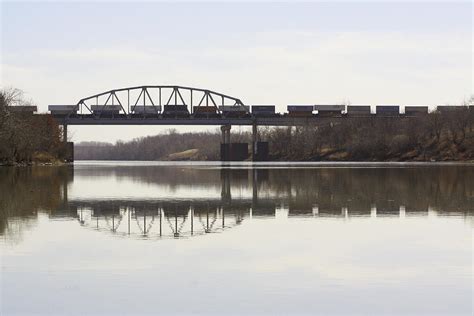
(288, 233)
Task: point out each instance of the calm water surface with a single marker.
(154, 238)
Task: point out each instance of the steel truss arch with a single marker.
(126, 100)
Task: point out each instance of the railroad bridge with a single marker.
(179, 105)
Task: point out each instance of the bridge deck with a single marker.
(262, 121)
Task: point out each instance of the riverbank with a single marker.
(33, 164)
(38, 159)
(430, 152)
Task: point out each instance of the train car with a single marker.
(449, 108)
(180, 110)
(205, 111)
(148, 110)
(235, 110)
(106, 110)
(263, 110)
(62, 110)
(300, 110)
(416, 110)
(387, 110)
(23, 109)
(358, 110)
(329, 110)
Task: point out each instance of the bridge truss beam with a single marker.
(153, 96)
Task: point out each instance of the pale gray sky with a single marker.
(281, 53)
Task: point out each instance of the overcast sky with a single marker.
(263, 53)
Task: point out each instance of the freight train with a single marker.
(244, 111)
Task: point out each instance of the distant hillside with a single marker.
(158, 147)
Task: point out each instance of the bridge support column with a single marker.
(225, 142)
(254, 141)
(68, 154)
(260, 149)
(65, 133)
(225, 129)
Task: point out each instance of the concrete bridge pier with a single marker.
(254, 141)
(69, 146)
(65, 133)
(225, 129)
(260, 149)
(225, 143)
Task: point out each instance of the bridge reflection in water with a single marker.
(232, 194)
(157, 219)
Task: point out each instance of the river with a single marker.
(249, 239)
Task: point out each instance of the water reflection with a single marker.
(157, 219)
(180, 201)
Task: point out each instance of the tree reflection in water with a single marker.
(339, 191)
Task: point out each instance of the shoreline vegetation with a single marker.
(27, 139)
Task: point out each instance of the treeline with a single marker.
(26, 138)
(157, 147)
(437, 136)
